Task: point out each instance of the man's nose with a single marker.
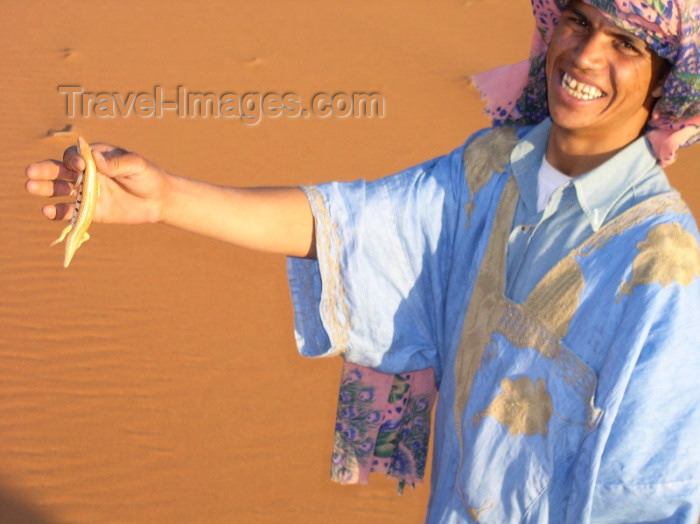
(590, 51)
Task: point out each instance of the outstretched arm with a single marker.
(136, 191)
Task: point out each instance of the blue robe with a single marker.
(577, 403)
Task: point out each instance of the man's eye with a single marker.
(628, 47)
(579, 21)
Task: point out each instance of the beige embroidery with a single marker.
(523, 406)
(669, 253)
(485, 155)
(338, 321)
(525, 330)
(475, 513)
(486, 305)
(556, 297)
(655, 206)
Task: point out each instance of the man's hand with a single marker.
(136, 191)
(132, 189)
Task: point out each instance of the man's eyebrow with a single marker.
(627, 38)
(610, 29)
(631, 39)
(575, 10)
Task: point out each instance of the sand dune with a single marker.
(156, 379)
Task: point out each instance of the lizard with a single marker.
(87, 189)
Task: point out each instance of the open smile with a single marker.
(580, 90)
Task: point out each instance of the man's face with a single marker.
(601, 80)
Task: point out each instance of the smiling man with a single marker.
(602, 83)
(555, 291)
(543, 277)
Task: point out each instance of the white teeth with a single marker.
(580, 90)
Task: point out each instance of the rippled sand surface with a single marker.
(156, 379)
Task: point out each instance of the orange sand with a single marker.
(156, 380)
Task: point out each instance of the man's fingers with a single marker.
(117, 162)
(73, 160)
(57, 211)
(107, 149)
(47, 188)
(49, 170)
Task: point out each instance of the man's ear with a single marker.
(664, 70)
(659, 89)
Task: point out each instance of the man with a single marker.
(544, 276)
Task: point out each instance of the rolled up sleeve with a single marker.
(376, 291)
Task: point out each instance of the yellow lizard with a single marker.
(87, 188)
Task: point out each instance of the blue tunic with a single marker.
(568, 393)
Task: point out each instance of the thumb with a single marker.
(117, 162)
(101, 163)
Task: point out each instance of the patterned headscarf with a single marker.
(515, 94)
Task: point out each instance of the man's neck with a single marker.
(574, 155)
